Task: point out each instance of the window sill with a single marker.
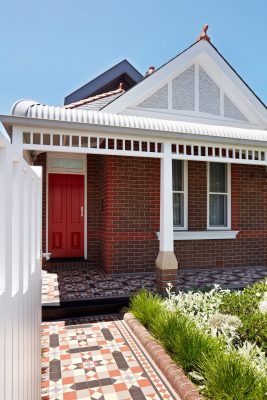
(203, 235)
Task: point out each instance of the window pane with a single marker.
(218, 178)
(218, 210)
(177, 175)
(66, 163)
(178, 209)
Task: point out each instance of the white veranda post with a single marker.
(166, 262)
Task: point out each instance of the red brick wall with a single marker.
(197, 195)
(130, 216)
(123, 215)
(249, 216)
(93, 208)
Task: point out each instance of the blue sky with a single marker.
(49, 48)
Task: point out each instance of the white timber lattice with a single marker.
(94, 144)
(219, 153)
(125, 145)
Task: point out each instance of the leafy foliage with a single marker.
(246, 305)
(214, 336)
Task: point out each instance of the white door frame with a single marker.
(71, 171)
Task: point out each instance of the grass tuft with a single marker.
(230, 377)
(145, 306)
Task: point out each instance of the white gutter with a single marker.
(260, 135)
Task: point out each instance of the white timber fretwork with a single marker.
(144, 146)
(219, 153)
(87, 143)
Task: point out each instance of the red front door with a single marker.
(66, 215)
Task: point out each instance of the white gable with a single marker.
(183, 90)
(198, 86)
(158, 100)
(194, 90)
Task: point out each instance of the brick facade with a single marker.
(123, 215)
(249, 217)
(130, 213)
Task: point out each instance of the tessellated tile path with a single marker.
(87, 283)
(97, 358)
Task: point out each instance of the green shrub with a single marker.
(225, 376)
(245, 305)
(230, 377)
(145, 306)
(191, 346)
(183, 341)
(167, 326)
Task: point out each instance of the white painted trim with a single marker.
(85, 210)
(229, 211)
(203, 235)
(170, 95)
(196, 117)
(72, 171)
(166, 200)
(69, 172)
(196, 90)
(185, 192)
(46, 211)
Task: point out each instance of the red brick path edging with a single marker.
(185, 389)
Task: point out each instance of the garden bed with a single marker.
(218, 337)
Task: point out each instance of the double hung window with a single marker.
(179, 190)
(218, 196)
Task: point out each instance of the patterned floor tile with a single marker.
(88, 284)
(110, 365)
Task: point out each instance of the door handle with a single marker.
(81, 211)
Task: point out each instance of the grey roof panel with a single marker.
(87, 90)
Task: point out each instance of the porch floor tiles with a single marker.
(82, 284)
(97, 358)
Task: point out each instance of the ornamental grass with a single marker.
(205, 342)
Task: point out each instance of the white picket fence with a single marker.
(20, 276)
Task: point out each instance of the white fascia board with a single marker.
(187, 116)
(203, 235)
(232, 83)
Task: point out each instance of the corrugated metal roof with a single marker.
(101, 118)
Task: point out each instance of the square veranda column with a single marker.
(166, 263)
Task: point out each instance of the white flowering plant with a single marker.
(207, 310)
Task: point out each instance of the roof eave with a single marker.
(10, 121)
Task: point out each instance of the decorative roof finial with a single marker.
(150, 71)
(203, 34)
(121, 86)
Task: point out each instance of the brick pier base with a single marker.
(165, 276)
(166, 268)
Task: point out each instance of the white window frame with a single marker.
(62, 170)
(185, 193)
(228, 194)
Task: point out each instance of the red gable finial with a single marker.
(121, 86)
(203, 34)
(150, 71)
